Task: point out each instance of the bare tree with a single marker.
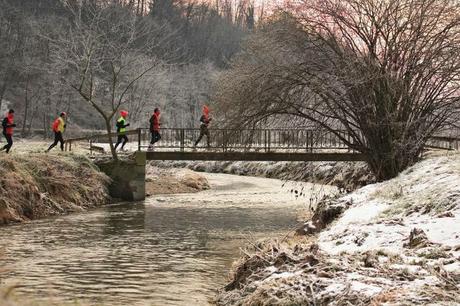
(103, 53)
(12, 35)
(36, 35)
(387, 72)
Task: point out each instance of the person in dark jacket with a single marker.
(121, 130)
(8, 126)
(59, 126)
(204, 122)
(155, 128)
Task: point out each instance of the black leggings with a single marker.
(9, 140)
(57, 138)
(203, 132)
(155, 137)
(121, 138)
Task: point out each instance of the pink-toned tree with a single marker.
(387, 72)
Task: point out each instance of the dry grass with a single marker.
(37, 185)
(298, 273)
(174, 181)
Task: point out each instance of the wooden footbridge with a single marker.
(244, 145)
(233, 145)
(128, 176)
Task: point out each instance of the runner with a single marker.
(204, 123)
(154, 128)
(8, 125)
(121, 130)
(59, 126)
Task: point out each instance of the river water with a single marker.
(168, 250)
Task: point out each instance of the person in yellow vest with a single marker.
(59, 126)
(121, 129)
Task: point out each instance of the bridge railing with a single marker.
(264, 140)
(444, 142)
(261, 140)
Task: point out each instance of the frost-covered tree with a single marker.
(103, 53)
(386, 72)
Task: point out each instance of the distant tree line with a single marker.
(386, 72)
(190, 43)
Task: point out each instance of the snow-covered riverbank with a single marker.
(345, 175)
(396, 243)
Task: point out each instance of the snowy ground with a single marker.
(398, 243)
(426, 196)
(424, 199)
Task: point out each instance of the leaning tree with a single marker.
(103, 51)
(387, 72)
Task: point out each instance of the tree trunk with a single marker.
(26, 109)
(108, 126)
(387, 162)
(2, 93)
(46, 118)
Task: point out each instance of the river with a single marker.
(167, 250)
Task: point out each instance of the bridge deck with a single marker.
(253, 156)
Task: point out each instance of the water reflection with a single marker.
(152, 253)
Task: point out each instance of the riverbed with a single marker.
(167, 250)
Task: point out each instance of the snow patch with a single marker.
(365, 289)
(381, 217)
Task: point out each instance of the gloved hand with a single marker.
(13, 125)
(127, 124)
(65, 125)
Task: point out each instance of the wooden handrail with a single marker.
(68, 142)
(131, 132)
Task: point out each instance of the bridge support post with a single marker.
(139, 139)
(128, 177)
(182, 140)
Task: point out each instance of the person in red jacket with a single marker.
(59, 126)
(8, 125)
(155, 128)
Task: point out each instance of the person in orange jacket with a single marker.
(59, 126)
(8, 125)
